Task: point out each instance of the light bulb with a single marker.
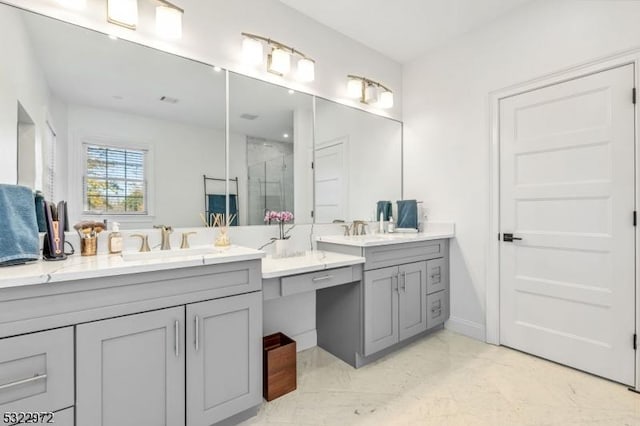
(73, 4)
(279, 61)
(252, 51)
(386, 99)
(371, 94)
(169, 22)
(354, 88)
(123, 12)
(306, 70)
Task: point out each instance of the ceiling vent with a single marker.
(249, 116)
(169, 100)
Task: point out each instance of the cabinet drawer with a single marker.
(36, 371)
(437, 308)
(436, 275)
(316, 280)
(398, 254)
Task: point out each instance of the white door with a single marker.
(567, 189)
(331, 182)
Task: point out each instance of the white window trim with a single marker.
(149, 177)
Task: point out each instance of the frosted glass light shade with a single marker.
(73, 4)
(123, 12)
(354, 88)
(169, 22)
(306, 70)
(280, 61)
(386, 99)
(252, 52)
(371, 94)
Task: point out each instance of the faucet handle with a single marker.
(144, 239)
(346, 229)
(185, 239)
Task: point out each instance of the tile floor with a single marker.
(448, 379)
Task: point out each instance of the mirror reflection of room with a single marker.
(271, 150)
(97, 121)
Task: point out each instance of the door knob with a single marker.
(509, 238)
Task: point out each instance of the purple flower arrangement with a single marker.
(281, 218)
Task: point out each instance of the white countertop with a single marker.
(311, 261)
(386, 239)
(77, 267)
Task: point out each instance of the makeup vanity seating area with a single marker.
(107, 341)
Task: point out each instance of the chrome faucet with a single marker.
(358, 227)
(166, 236)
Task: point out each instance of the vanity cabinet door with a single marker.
(380, 309)
(224, 358)
(413, 299)
(131, 370)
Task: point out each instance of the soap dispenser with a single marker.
(115, 239)
(390, 227)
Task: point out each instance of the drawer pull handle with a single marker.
(326, 277)
(197, 333)
(177, 343)
(23, 381)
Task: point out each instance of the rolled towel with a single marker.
(385, 208)
(407, 214)
(19, 239)
(42, 224)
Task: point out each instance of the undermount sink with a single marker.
(165, 254)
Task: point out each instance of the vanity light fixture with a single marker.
(279, 59)
(169, 20)
(123, 13)
(369, 92)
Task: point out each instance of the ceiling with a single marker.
(88, 68)
(403, 30)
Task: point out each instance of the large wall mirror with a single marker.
(121, 131)
(271, 150)
(358, 162)
(137, 135)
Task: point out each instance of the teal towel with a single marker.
(19, 239)
(385, 208)
(218, 204)
(407, 214)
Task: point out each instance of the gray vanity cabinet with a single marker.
(224, 364)
(380, 309)
(395, 302)
(130, 370)
(412, 291)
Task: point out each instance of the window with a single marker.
(114, 180)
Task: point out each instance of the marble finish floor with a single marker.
(448, 379)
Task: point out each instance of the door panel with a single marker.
(567, 189)
(130, 372)
(381, 309)
(413, 299)
(224, 359)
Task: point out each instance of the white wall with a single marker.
(20, 81)
(446, 115)
(212, 34)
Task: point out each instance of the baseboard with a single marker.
(467, 328)
(305, 340)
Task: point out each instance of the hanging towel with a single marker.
(218, 204)
(385, 208)
(407, 214)
(19, 239)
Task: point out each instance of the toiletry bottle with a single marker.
(381, 226)
(115, 239)
(391, 228)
